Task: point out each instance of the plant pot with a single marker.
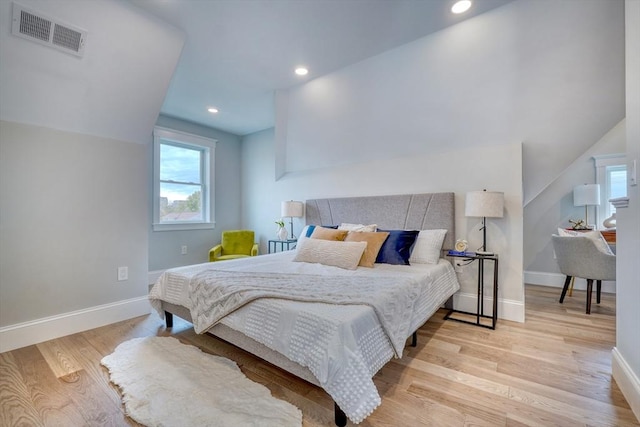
(282, 233)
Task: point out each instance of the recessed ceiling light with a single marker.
(302, 71)
(461, 6)
(212, 110)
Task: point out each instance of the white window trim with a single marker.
(601, 163)
(208, 199)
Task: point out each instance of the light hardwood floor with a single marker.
(552, 370)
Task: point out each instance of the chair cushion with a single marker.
(594, 235)
(226, 257)
(237, 242)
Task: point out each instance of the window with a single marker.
(183, 189)
(611, 174)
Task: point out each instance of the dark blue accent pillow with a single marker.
(397, 248)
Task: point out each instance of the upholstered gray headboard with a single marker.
(400, 212)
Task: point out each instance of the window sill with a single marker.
(184, 226)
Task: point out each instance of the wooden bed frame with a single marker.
(410, 212)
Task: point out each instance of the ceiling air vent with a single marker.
(45, 30)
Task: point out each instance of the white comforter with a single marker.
(342, 345)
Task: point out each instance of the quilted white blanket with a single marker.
(215, 294)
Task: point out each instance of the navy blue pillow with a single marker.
(397, 248)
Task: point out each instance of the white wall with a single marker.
(544, 72)
(493, 167)
(554, 208)
(626, 354)
(73, 209)
(165, 246)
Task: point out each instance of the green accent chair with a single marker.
(235, 244)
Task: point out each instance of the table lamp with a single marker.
(290, 209)
(586, 195)
(484, 204)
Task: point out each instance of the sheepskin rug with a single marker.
(167, 383)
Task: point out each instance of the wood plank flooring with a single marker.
(553, 370)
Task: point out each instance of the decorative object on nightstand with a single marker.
(281, 232)
(586, 195)
(484, 204)
(461, 245)
(291, 209)
(578, 224)
(610, 222)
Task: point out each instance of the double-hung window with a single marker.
(183, 186)
(611, 174)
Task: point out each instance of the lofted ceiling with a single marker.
(238, 53)
(143, 58)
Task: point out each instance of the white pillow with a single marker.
(358, 227)
(330, 252)
(594, 235)
(428, 247)
(300, 239)
(304, 231)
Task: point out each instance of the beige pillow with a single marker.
(328, 234)
(327, 252)
(374, 243)
(357, 227)
(594, 235)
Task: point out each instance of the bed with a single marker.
(330, 326)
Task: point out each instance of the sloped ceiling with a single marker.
(115, 90)
(238, 53)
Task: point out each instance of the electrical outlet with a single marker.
(184, 249)
(123, 273)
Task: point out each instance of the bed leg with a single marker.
(414, 339)
(339, 416)
(168, 319)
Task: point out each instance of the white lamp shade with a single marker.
(587, 194)
(488, 204)
(291, 209)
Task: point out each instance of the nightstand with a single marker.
(283, 245)
(479, 314)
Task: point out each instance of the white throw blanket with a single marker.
(214, 294)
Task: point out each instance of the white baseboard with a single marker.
(48, 328)
(507, 309)
(556, 280)
(627, 380)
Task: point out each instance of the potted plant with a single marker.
(282, 232)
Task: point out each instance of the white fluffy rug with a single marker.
(167, 383)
